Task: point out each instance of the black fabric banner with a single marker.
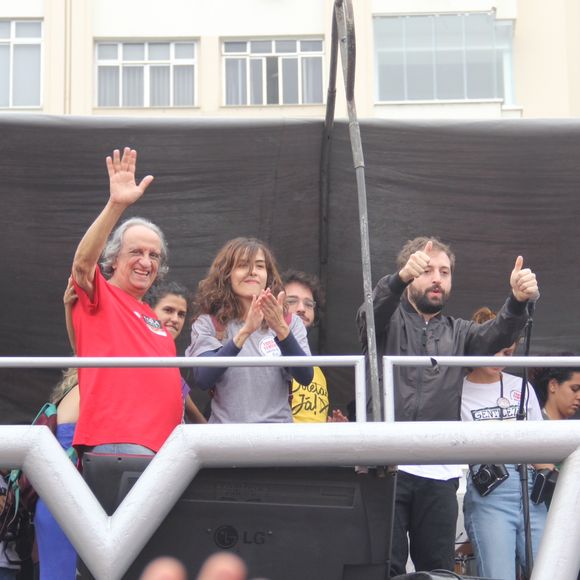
(492, 190)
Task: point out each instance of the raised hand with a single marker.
(254, 317)
(523, 282)
(124, 189)
(416, 264)
(273, 309)
(252, 322)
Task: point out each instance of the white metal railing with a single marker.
(191, 447)
(558, 556)
(356, 361)
(390, 362)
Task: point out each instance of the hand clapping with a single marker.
(265, 307)
(273, 309)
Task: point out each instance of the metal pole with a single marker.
(388, 389)
(325, 170)
(343, 25)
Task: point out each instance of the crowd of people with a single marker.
(117, 303)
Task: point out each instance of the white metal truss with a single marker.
(191, 447)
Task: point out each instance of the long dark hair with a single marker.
(541, 377)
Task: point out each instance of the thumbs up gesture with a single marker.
(416, 264)
(523, 282)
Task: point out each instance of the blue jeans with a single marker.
(8, 573)
(495, 526)
(121, 449)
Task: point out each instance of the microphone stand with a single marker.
(523, 468)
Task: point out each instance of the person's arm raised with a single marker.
(124, 191)
(523, 282)
(417, 263)
(273, 309)
(252, 322)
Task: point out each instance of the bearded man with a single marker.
(409, 321)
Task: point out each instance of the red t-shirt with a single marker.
(123, 405)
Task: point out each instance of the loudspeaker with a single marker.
(312, 523)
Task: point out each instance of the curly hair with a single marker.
(541, 377)
(412, 246)
(311, 282)
(215, 295)
(483, 314)
(115, 242)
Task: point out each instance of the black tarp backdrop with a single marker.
(213, 181)
(492, 189)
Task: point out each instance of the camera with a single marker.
(488, 477)
(544, 485)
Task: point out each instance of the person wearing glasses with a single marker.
(240, 310)
(305, 299)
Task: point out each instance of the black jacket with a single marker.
(433, 393)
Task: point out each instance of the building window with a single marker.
(146, 74)
(20, 63)
(273, 72)
(443, 57)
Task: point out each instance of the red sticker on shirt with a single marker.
(268, 347)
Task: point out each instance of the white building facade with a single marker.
(270, 58)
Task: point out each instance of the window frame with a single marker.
(499, 51)
(247, 56)
(146, 63)
(13, 40)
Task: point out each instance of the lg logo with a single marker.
(227, 537)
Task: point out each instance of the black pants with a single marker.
(426, 509)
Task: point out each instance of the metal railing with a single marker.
(558, 555)
(390, 362)
(191, 447)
